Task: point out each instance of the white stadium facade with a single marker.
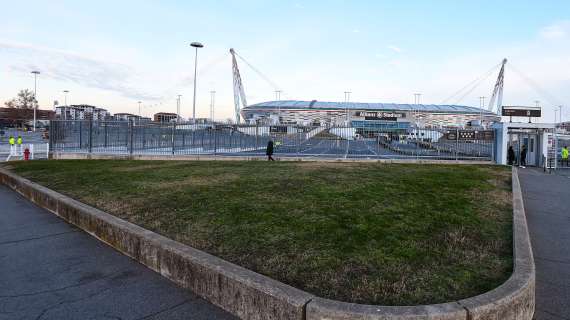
(377, 115)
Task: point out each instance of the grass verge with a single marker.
(357, 232)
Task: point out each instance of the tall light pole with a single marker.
(195, 45)
(560, 114)
(481, 106)
(212, 102)
(139, 108)
(65, 92)
(278, 98)
(35, 73)
(417, 101)
(178, 102)
(346, 101)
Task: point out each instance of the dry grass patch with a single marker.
(358, 232)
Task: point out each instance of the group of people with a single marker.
(511, 157)
(13, 141)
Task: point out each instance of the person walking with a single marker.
(12, 143)
(269, 151)
(19, 142)
(523, 157)
(564, 154)
(511, 156)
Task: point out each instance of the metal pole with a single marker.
(212, 103)
(178, 103)
(90, 135)
(35, 73)
(172, 138)
(195, 45)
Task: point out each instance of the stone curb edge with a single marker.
(250, 295)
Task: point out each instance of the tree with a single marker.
(24, 100)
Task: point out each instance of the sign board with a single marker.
(488, 135)
(380, 115)
(278, 129)
(516, 111)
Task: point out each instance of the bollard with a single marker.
(27, 154)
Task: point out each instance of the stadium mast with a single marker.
(498, 90)
(239, 92)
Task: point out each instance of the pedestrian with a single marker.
(511, 156)
(523, 157)
(269, 151)
(19, 142)
(12, 143)
(564, 154)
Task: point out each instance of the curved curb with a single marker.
(514, 299)
(250, 295)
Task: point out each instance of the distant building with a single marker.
(130, 117)
(165, 117)
(81, 112)
(21, 117)
(564, 126)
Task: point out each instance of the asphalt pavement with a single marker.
(52, 270)
(547, 205)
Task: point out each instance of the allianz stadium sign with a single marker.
(386, 116)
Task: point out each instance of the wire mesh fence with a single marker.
(370, 142)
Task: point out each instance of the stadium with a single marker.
(377, 115)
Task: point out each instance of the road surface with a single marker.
(52, 270)
(547, 205)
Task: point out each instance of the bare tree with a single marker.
(24, 100)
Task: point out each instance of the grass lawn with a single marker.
(358, 232)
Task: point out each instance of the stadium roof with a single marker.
(295, 104)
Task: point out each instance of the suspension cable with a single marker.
(473, 85)
(259, 73)
(549, 97)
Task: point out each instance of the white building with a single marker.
(81, 112)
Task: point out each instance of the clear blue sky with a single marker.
(114, 53)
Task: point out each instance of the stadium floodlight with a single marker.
(35, 73)
(195, 45)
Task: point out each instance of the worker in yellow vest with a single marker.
(19, 142)
(12, 143)
(564, 156)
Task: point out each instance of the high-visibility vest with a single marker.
(12, 141)
(19, 140)
(564, 153)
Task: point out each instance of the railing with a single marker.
(370, 142)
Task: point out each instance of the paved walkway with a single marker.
(52, 270)
(547, 203)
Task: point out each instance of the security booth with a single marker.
(536, 137)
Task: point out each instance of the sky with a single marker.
(113, 54)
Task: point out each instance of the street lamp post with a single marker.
(195, 45)
(481, 106)
(212, 103)
(347, 100)
(65, 92)
(35, 73)
(178, 102)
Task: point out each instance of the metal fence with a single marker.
(557, 141)
(370, 142)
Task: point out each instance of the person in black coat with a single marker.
(511, 156)
(523, 156)
(269, 151)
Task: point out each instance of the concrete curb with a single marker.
(96, 156)
(249, 295)
(239, 291)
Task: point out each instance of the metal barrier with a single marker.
(370, 142)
